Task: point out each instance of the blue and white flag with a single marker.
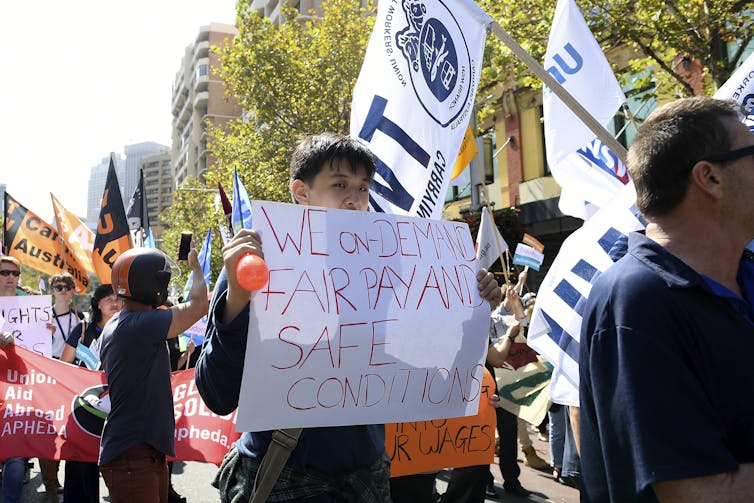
(205, 257)
(740, 88)
(414, 97)
(587, 171)
(555, 328)
(241, 214)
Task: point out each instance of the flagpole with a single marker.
(539, 71)
(492, 216)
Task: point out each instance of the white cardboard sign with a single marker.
(26, 317)
(367, 318)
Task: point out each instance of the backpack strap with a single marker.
(280, 448)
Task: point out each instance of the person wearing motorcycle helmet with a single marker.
(139, 431)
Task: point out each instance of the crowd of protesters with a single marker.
(665, 336)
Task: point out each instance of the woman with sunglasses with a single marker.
(65, 317)
(82, 348)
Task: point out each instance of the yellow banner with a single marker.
(465, 154)
(36, 244)
(75, 234)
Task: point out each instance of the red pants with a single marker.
(139, 474)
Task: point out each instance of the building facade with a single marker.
(159, 186)
(198, 98)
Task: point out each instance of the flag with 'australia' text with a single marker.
(414, 98)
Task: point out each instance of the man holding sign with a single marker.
(327, 463)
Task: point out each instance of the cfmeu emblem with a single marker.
(748, 110)
(438, 59)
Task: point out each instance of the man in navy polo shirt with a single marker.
(667, 388)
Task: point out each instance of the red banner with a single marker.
(51, 410)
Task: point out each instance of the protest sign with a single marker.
(366, 318)
(525, 391)
(26, 318)
(424, 446)
(54, 410)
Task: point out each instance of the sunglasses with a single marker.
(8, 272)
(61, 288)
(730, 155)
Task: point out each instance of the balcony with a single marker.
(200, 100)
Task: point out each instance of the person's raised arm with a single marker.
(188, 313)
(498, 352)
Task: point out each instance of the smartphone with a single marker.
(185, 246)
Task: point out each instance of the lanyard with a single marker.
(57, 320)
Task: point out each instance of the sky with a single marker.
(83, 78)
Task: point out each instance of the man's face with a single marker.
(739, 175)
(9, 274)
(335, 186)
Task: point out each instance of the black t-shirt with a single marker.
(91, 334)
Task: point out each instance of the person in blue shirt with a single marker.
(665, 378)
(346, 463)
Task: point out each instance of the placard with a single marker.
(367, 318)
(26, 318)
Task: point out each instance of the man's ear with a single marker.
(706, 176)
(300, 191)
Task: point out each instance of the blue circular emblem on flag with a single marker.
(439, 61)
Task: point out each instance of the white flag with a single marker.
(555, 329)
(490, 244)
(740, 88)
(414, 97)
(588, 173)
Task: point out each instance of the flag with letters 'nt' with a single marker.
(36, 244)
(414, 97)
(588, 173)
(112, 237)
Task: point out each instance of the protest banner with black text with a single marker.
(37, 244)
(366, 318)
(75, 234)
(424, 446)
(26, 318)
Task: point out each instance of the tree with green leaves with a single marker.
(196, 209)
(291, 80)
(667, 38)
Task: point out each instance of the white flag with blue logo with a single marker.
(740, 88)
(414, 97)
(586, 170)
(555, 328)
(241, 214)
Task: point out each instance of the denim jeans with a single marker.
(557, 435)
(571, 462)
(13, 479)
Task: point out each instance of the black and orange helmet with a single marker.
(143, 275)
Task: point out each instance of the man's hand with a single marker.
(245, 242)
(488, 287)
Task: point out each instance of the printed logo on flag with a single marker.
(599, 155)
(438, 58)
